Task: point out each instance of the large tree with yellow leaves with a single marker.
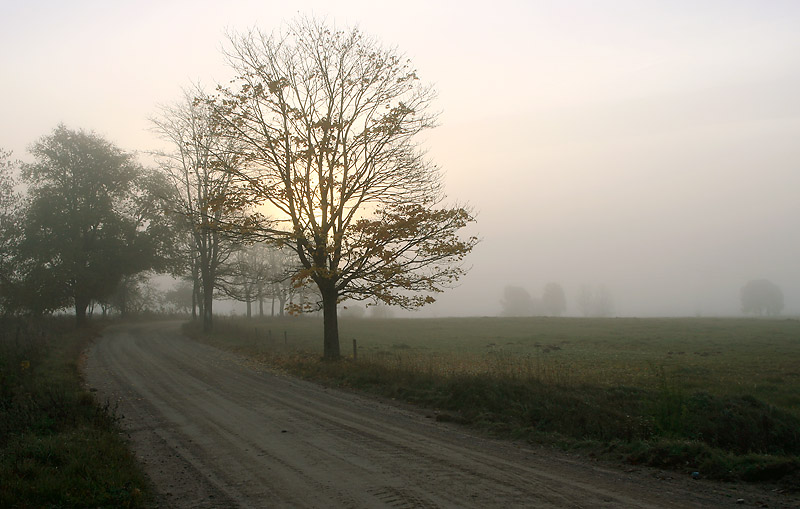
(329, 120)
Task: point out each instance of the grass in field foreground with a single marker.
(645, 391)
(58, 447)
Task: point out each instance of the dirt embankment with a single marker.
(213, 430)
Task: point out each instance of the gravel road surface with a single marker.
(214, 430)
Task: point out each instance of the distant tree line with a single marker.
(595, 301)
(759, 297)
(300, 181)
(517, 301)
(591, 301)
(93, 224)
(86, 225)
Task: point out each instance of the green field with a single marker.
(722, 356)
(717, 394)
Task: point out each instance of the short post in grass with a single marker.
(355, 350)
(285, 338)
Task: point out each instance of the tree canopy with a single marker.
(9, 225)
(328, 121)
(554, 301)
(762, 297)
(517, 301)
(88, 222)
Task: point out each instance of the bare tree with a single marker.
(586, 300)
(595, 302)
(604, 302)
(517, 301)
(761, 297)
(135, 294)
(283, 264)
(381, 312)
(247, 275)
(179, 298)
(201, 190)
(329, 118)
(553, 300)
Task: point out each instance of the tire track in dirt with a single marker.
(215, 431)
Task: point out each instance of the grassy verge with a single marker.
(58, 447)
(717, 397)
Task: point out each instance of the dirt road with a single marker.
(213, 430)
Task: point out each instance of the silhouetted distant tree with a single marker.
(586, 300)
(179, 298)
(604, 302)
(353, 310)
(762, 297)
(595, 301)
(136, 294)
(517, 301)
(283, 265)
(381, 312)
(198, 166)
(553, 300)
(247, 275)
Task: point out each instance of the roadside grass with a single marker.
(715, 396)
(59, 447)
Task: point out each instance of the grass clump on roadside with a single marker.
(58, 446)
(644, 391)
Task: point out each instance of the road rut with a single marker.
(215, 430)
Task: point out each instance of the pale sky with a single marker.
(649, 146)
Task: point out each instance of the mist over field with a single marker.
(650, 149)
(573, 225)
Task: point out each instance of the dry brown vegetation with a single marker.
(716, 395)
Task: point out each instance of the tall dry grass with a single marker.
(723, 393)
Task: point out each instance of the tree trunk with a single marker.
(81, 303)
(330, 322)
(207, 308)
(195, 299)
(123, 301)
(208, 317)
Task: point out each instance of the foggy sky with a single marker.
(652, 147)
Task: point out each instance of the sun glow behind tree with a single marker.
(328, 120)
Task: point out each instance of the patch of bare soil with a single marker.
(214, 431)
